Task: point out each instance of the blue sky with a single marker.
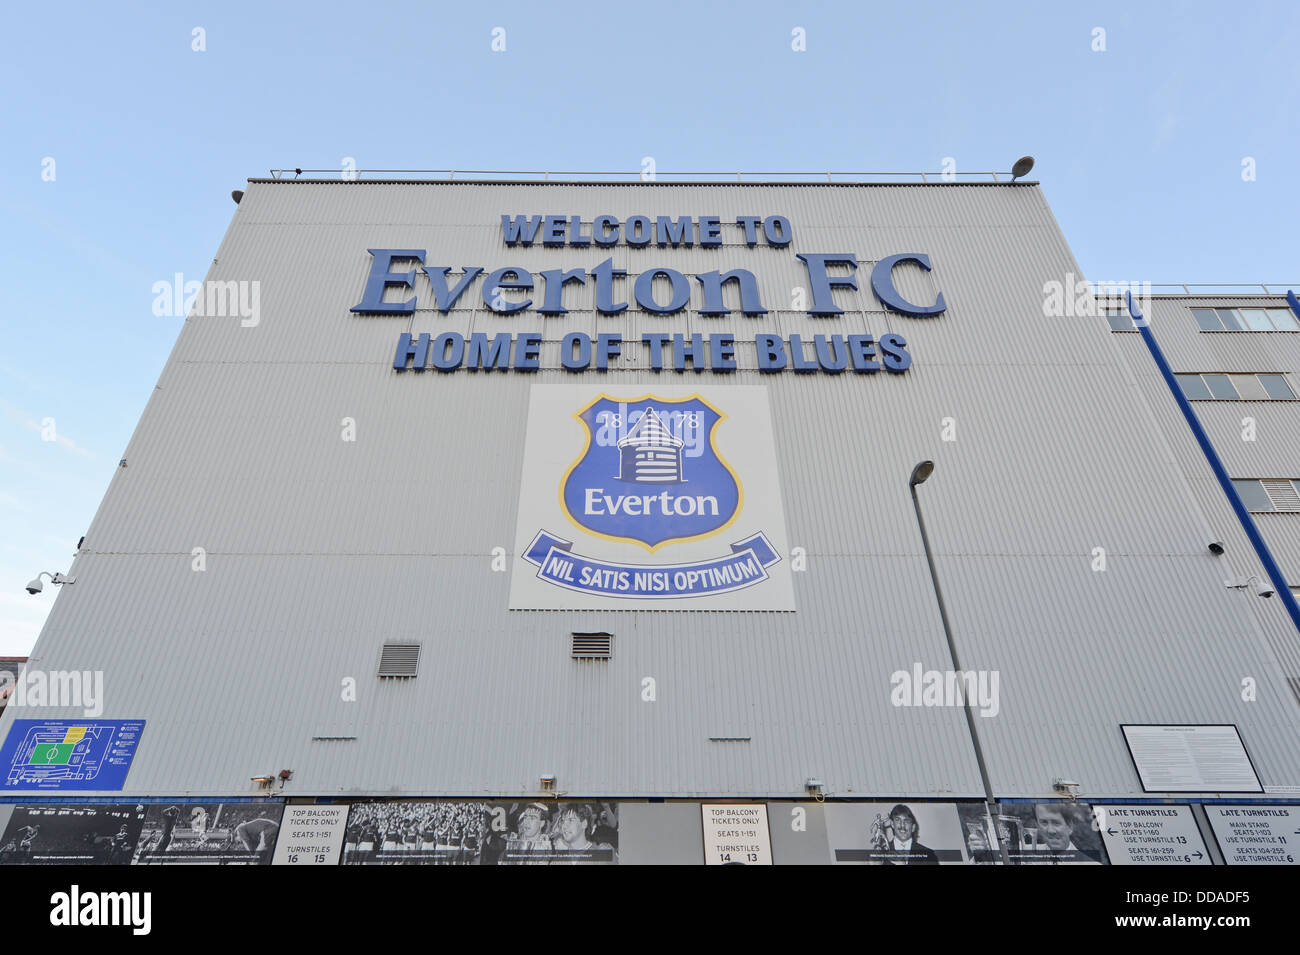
(1139, 149)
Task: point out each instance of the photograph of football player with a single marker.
(528, 843)
(257, 835)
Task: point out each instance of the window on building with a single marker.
(1119, 318)
(1206, 318)
(1284, 320)
(1193, 387)
(1257, 319)
(1253, 495)
(1246, 319)
(1276, 387)
(1236, 387)
(1269, 494)
(1221, 387)
(1231, 319)
(1248, 387)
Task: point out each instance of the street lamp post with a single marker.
(919, 475)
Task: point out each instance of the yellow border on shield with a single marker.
(586, 446)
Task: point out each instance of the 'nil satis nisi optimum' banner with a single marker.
(650, 497)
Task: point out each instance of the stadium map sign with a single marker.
(69, 754)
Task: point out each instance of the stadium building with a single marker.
(512, 519)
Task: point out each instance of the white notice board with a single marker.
(736, 834)
(1257, 835)
(1187, 758)
(1151, 835)
(310, 835)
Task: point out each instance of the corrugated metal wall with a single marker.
(1273, 450)
(320, 550)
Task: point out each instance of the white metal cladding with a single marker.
(319, 551)
(1273, 451)
(1282, 534)
(1254, 439)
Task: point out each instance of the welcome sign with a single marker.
(650, 498)
(391, 290)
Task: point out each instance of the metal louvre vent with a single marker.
(399, 659)
(1283, 495)
(592, 646)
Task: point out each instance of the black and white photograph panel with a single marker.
(183, 833)
(71, 835)
(901, 833)
(465, 832)
(1050, 833)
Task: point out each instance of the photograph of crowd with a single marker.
(481, 833)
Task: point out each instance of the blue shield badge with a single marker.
(650, 472)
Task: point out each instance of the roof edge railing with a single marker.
(1145, 289)
(473, 175)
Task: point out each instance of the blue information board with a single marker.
(69, 754)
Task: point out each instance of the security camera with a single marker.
(1216, 548)
(1241, 583)
(34, 587)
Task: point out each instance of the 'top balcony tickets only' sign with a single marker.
(449, 351)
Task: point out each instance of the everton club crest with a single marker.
(650, 475)
(650, 472)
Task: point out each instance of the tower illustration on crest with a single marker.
(650, 454)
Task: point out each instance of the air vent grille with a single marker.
(1283, 494)
(593, 646)
(400, 659)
